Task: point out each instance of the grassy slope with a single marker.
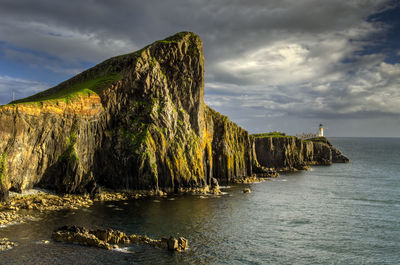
(84, 87)
(271, 134)
(321, 139)
(95, 79)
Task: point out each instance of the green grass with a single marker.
(3, 176)
(317, 139)
(270, 134)
(66, 93)
(177, 37)
(97, 84)
(69, 154)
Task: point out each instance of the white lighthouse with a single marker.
(321, 130)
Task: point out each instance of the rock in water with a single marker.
(183, 243)
(5, 244)
(136, 121)
(172, 243)
(109, 239)
(215, 186)
(79, 235)
(246, 190)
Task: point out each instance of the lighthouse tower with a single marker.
(321, 130)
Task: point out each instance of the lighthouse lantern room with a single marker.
(321, 130)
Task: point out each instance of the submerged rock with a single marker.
(246, 190)
(215, 187)
(172, 243)
(109, 239)
(110, 236)
(5, 244)
(79, 235)
(183, 244)
(8, 216)
(180, 244)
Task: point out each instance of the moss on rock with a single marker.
(4, 180)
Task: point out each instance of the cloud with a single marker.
(61, 42)
(371, 91)
(303, 59)
(19, 87)
(36, 61)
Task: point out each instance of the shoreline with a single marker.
(39, 200)
(30, 204)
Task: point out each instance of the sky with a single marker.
(271, 65)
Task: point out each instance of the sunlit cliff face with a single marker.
(334, 62)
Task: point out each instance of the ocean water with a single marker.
(339, 214)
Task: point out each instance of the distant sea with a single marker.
(339, 214)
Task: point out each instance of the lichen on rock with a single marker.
(4, 180)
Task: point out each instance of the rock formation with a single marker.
(136, 121)
(5, 244)
(109, 239)
(290, 153)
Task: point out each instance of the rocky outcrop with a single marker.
(233, 155)
(282, 153)
(246, 190)
(288, 153)
(134, 122)
(137, 122)
(109, 239)
(5, 244)
(336, 155)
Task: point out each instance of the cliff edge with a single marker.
(288, 153)
(136, 121)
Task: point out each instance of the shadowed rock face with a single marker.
(147, 129)
(292, 153)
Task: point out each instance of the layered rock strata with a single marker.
(136, 121)
(290, 153)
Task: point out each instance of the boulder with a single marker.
(109, 239)
(183, 244)
(79, 235)
(172, 243)
(5, 244)
(246, 190)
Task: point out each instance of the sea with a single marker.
(339, 214)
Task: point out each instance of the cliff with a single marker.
(288, 153)
(136, 121)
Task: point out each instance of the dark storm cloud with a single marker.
(228, 26)
(304, 58)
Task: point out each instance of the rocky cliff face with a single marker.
(291, 153)
(136, 121)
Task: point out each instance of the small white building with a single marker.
(321, 130)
